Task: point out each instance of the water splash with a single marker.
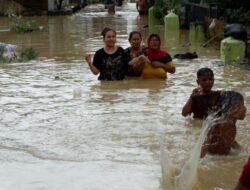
(187, 179)
(168, 170)
(228, 107)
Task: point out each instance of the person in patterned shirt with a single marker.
(109, 62)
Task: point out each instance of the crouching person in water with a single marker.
(222, 132)
(108, 61)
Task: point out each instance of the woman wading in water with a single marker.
(135, 57)
(109, 62)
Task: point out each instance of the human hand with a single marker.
(156, 64)
(196, 92)
(144, 59)
(88, 58)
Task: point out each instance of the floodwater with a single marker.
(61, 128)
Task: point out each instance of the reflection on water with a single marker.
(60, 128)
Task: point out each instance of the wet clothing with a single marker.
(159, 55)
(156, 54)
(111, 66)
(132, 71)
(245, 175)
(150, 72)
(202, 104)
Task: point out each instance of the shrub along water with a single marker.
(18, 25)
(28, 54)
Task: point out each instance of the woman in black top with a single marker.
(109, 62)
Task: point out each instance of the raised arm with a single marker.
(187, 108)
(93, 69)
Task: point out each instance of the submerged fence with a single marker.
(197, 13)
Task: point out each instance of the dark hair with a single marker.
(132, 33)
(154, 35)
(228, 99)
(205, 71)
(105, 30)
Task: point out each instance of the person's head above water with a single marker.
(205, 71)
(135, 39)
(134, 33)
(154, 42)
(231, 105)
(109, 37)
(205, 79)
(106, 30)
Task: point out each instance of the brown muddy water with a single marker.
(78, 133)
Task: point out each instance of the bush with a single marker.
(18, 25)
(28, 54)
(161, 7)
(240, 15)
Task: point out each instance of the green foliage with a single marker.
(176, 4)
(240, 15)
(18, 25)
(161, 7)
(28, 54)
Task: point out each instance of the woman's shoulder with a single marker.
(119, 48)
(127, 50)
(101, 50)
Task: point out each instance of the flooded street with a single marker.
(61, 128)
